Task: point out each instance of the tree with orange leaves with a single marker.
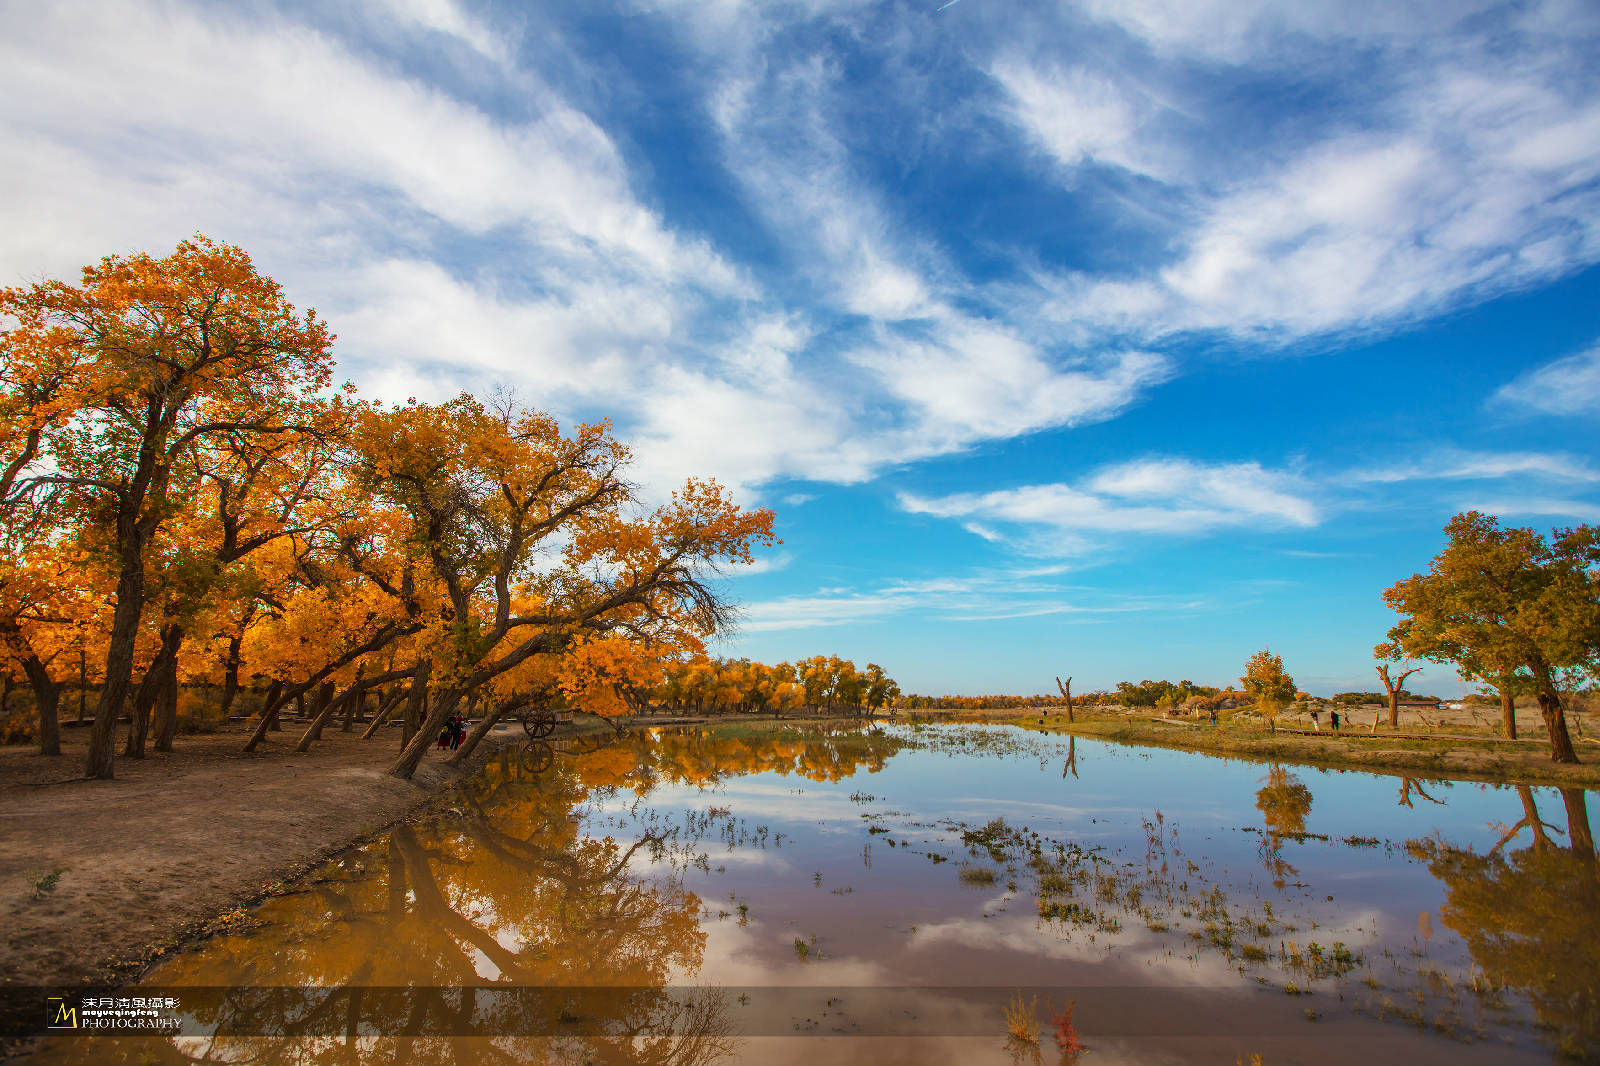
(520, 538)
(121, 379)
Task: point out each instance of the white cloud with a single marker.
(766, 564)
(1569, 386)
(348, 181)
(1240, 31)
(280, 106)
(1169, 496)
(981, 596)
(1464, 466)
(1078, 116)
(367, 188)
(1582, 510)
(1474, 172)
(976, 381)
(449, 18)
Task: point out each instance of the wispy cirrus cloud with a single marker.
(1582, 510)
(1170, 497)
(1450, 465)
(1472, 173)
(495, 209)
(1566, 387)
(983, 596)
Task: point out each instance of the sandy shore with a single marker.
(99, 878)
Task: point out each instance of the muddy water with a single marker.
(922, 894)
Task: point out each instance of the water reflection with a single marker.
(566, 907)
(1528, 917)
(1284, 801)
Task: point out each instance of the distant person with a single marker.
(1316, 720)
(444, 736)
(458, 731)
(1333, 719)
(1213, 716)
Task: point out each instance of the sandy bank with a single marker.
(98, 878)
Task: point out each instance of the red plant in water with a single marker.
(1066, 1033)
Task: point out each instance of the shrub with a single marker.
(196, 714)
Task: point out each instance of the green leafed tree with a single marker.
(1497, 600)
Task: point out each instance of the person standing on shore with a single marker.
(1333, 719)
(1316, 720)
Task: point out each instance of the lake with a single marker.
(916, 893)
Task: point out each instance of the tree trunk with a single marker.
(139, 721)
(1579, 835)
(330, 706)
(397, 884)
(1508, 709)
(144, 698)
(167, 700)
(151, 689)
(47, 695)
(46, 689)
(273, 708)
(1393, 688)
(1066, 692)
(269, 715)
(230, 676)
(1555, 721)
(416, 706)
(324, 705)
(384, 712)
(102, 759)
(353, 708)
(166, 724)
(83, 685)
(444, 703)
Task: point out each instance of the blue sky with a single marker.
(1113, 339)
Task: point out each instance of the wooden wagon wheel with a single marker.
(536, 757)
(539, 723)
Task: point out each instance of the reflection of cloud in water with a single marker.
(759, 799)
(987, 804)
(1136, 949)
(762, 954)
(748, 856)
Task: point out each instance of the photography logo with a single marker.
(114, 1014)
(60, 1015)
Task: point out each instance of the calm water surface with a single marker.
(919, 894)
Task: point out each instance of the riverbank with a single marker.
(100, 878)
(1499, 761)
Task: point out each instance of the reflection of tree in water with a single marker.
(495, 921)
(1284, 803)
(701, 756)
(1531, 918)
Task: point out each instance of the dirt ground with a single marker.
(1457, 745)
(1472, 720)
(99, 877)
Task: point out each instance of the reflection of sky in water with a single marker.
(890, 916)
(847, 933)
